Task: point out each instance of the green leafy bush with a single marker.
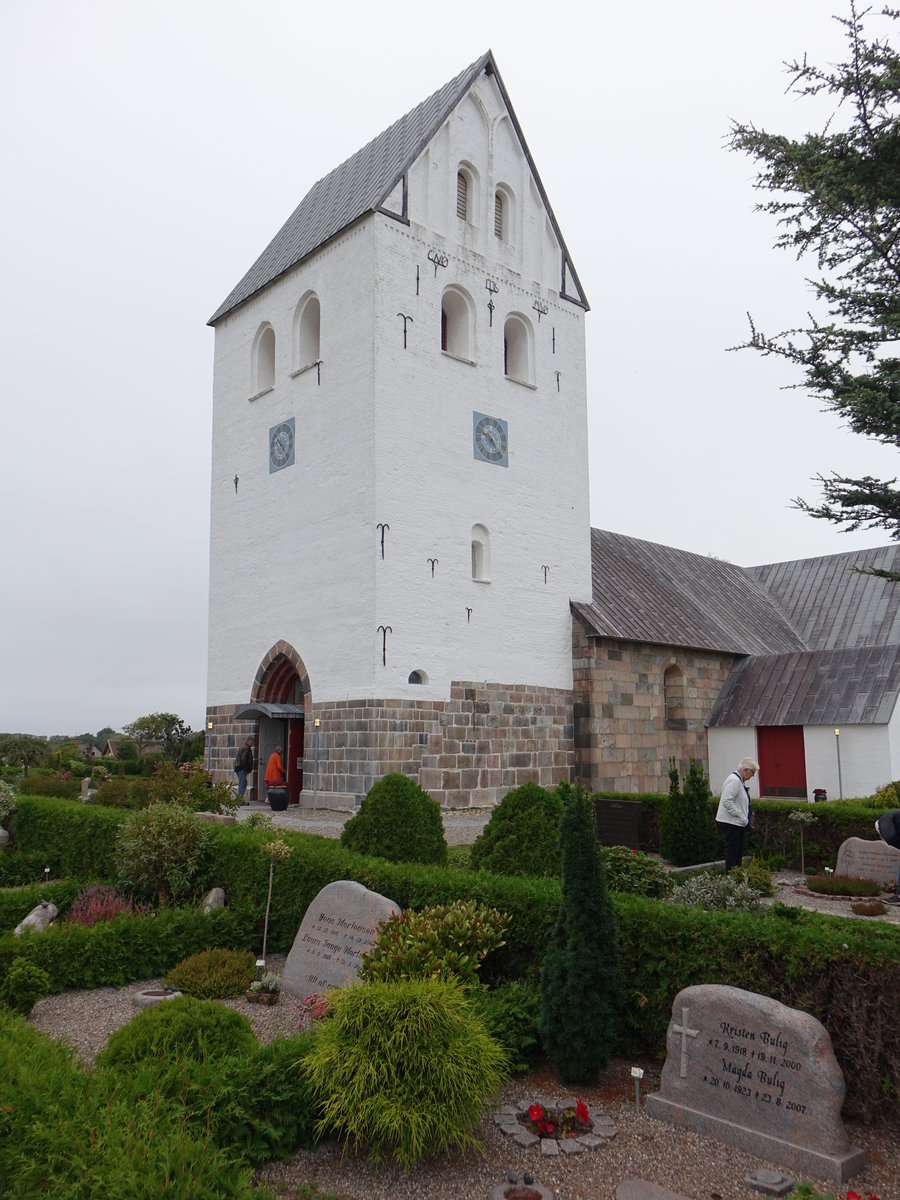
(23, 986)
(687, 830)
(511, 1014)
(123, 793)
(214, 974)
(842, 885)
(887, 796)
(439, 942)
(179, 1030)
(635, 872)
(713, 890)
(162, 846)
(404, 1070)
(8, 800)
(19, 867)
(581, 976)
(191, 786)
(62, 785)
(64, 1132)
(757, 875)
(398, 821)
(522, 835)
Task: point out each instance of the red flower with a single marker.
(581, 1111)
(535, 1113)
(854, 1196)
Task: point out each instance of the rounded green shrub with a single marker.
(522, 835)
(398, 821)
(23, 986)
(441, 941)
(635, 872)
(214, 974)
(403, 1070)
(179, 1030)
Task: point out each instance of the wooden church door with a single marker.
(782, 760)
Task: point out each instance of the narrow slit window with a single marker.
(498, 215)
(462, 196)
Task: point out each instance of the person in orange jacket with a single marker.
(275, 770)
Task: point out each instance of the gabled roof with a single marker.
(645, 592)
(814, 687)
(363, 183)
(830, 600)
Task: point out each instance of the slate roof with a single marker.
(818, 641)
(646, 592)
(362, 184)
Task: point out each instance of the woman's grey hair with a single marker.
(748, 764)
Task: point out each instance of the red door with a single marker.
(294, 764)
(782, 762)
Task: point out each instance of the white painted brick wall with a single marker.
(388, 437)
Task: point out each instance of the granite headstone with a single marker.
(859, 858)
(752, 1073)
(340, 926)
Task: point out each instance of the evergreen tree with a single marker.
(582, 994)
(687, 830)
(836, 194)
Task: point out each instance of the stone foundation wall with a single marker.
(469, 750)
(623, 740)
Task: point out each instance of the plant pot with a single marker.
(278, 798)
(262, 997)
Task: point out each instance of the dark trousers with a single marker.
(734, 844)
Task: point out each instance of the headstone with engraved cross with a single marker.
(755, 1074)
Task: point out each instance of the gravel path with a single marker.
(693, 1166)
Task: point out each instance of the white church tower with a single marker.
(399, 514)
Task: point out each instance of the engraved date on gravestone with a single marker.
(756, 1065)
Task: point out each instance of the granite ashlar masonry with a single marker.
(623, 740)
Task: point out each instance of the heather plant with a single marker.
(403, 1070)
(100, 903)
(635, 872)
(161, 846)
(398, 821)
(687, 831)
(438, 942)
(522, 835)
(713, 890)
(582, 995)
(23, 986)
(213, 974)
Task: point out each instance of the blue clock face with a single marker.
(281, 445)
(490, 439)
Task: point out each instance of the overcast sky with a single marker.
(150, 153)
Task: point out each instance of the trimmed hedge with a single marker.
(17, 903)
(76, 840)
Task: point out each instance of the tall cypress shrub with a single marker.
(687, 831)
(582, 994)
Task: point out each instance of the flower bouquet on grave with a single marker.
(560, 1123)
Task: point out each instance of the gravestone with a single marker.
(39, 919)
(340, 926)
(618, 822)
(862, 859)
(752, 1073)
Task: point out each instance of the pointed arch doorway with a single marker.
(277, 706)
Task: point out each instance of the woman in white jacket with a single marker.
(733, 814)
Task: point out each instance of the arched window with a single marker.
(462, 196)
(481, 554)
(417, 677)
(504, 214)
(517, 356)
(262, 369)
(456, 320)
(673, 698)
(307, 326)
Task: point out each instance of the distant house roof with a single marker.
(364, 182)
(645, 592)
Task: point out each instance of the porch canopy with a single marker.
(252, 712)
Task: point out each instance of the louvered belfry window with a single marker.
(462, 195)
(498, 215)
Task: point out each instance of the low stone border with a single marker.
(507, 1120)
